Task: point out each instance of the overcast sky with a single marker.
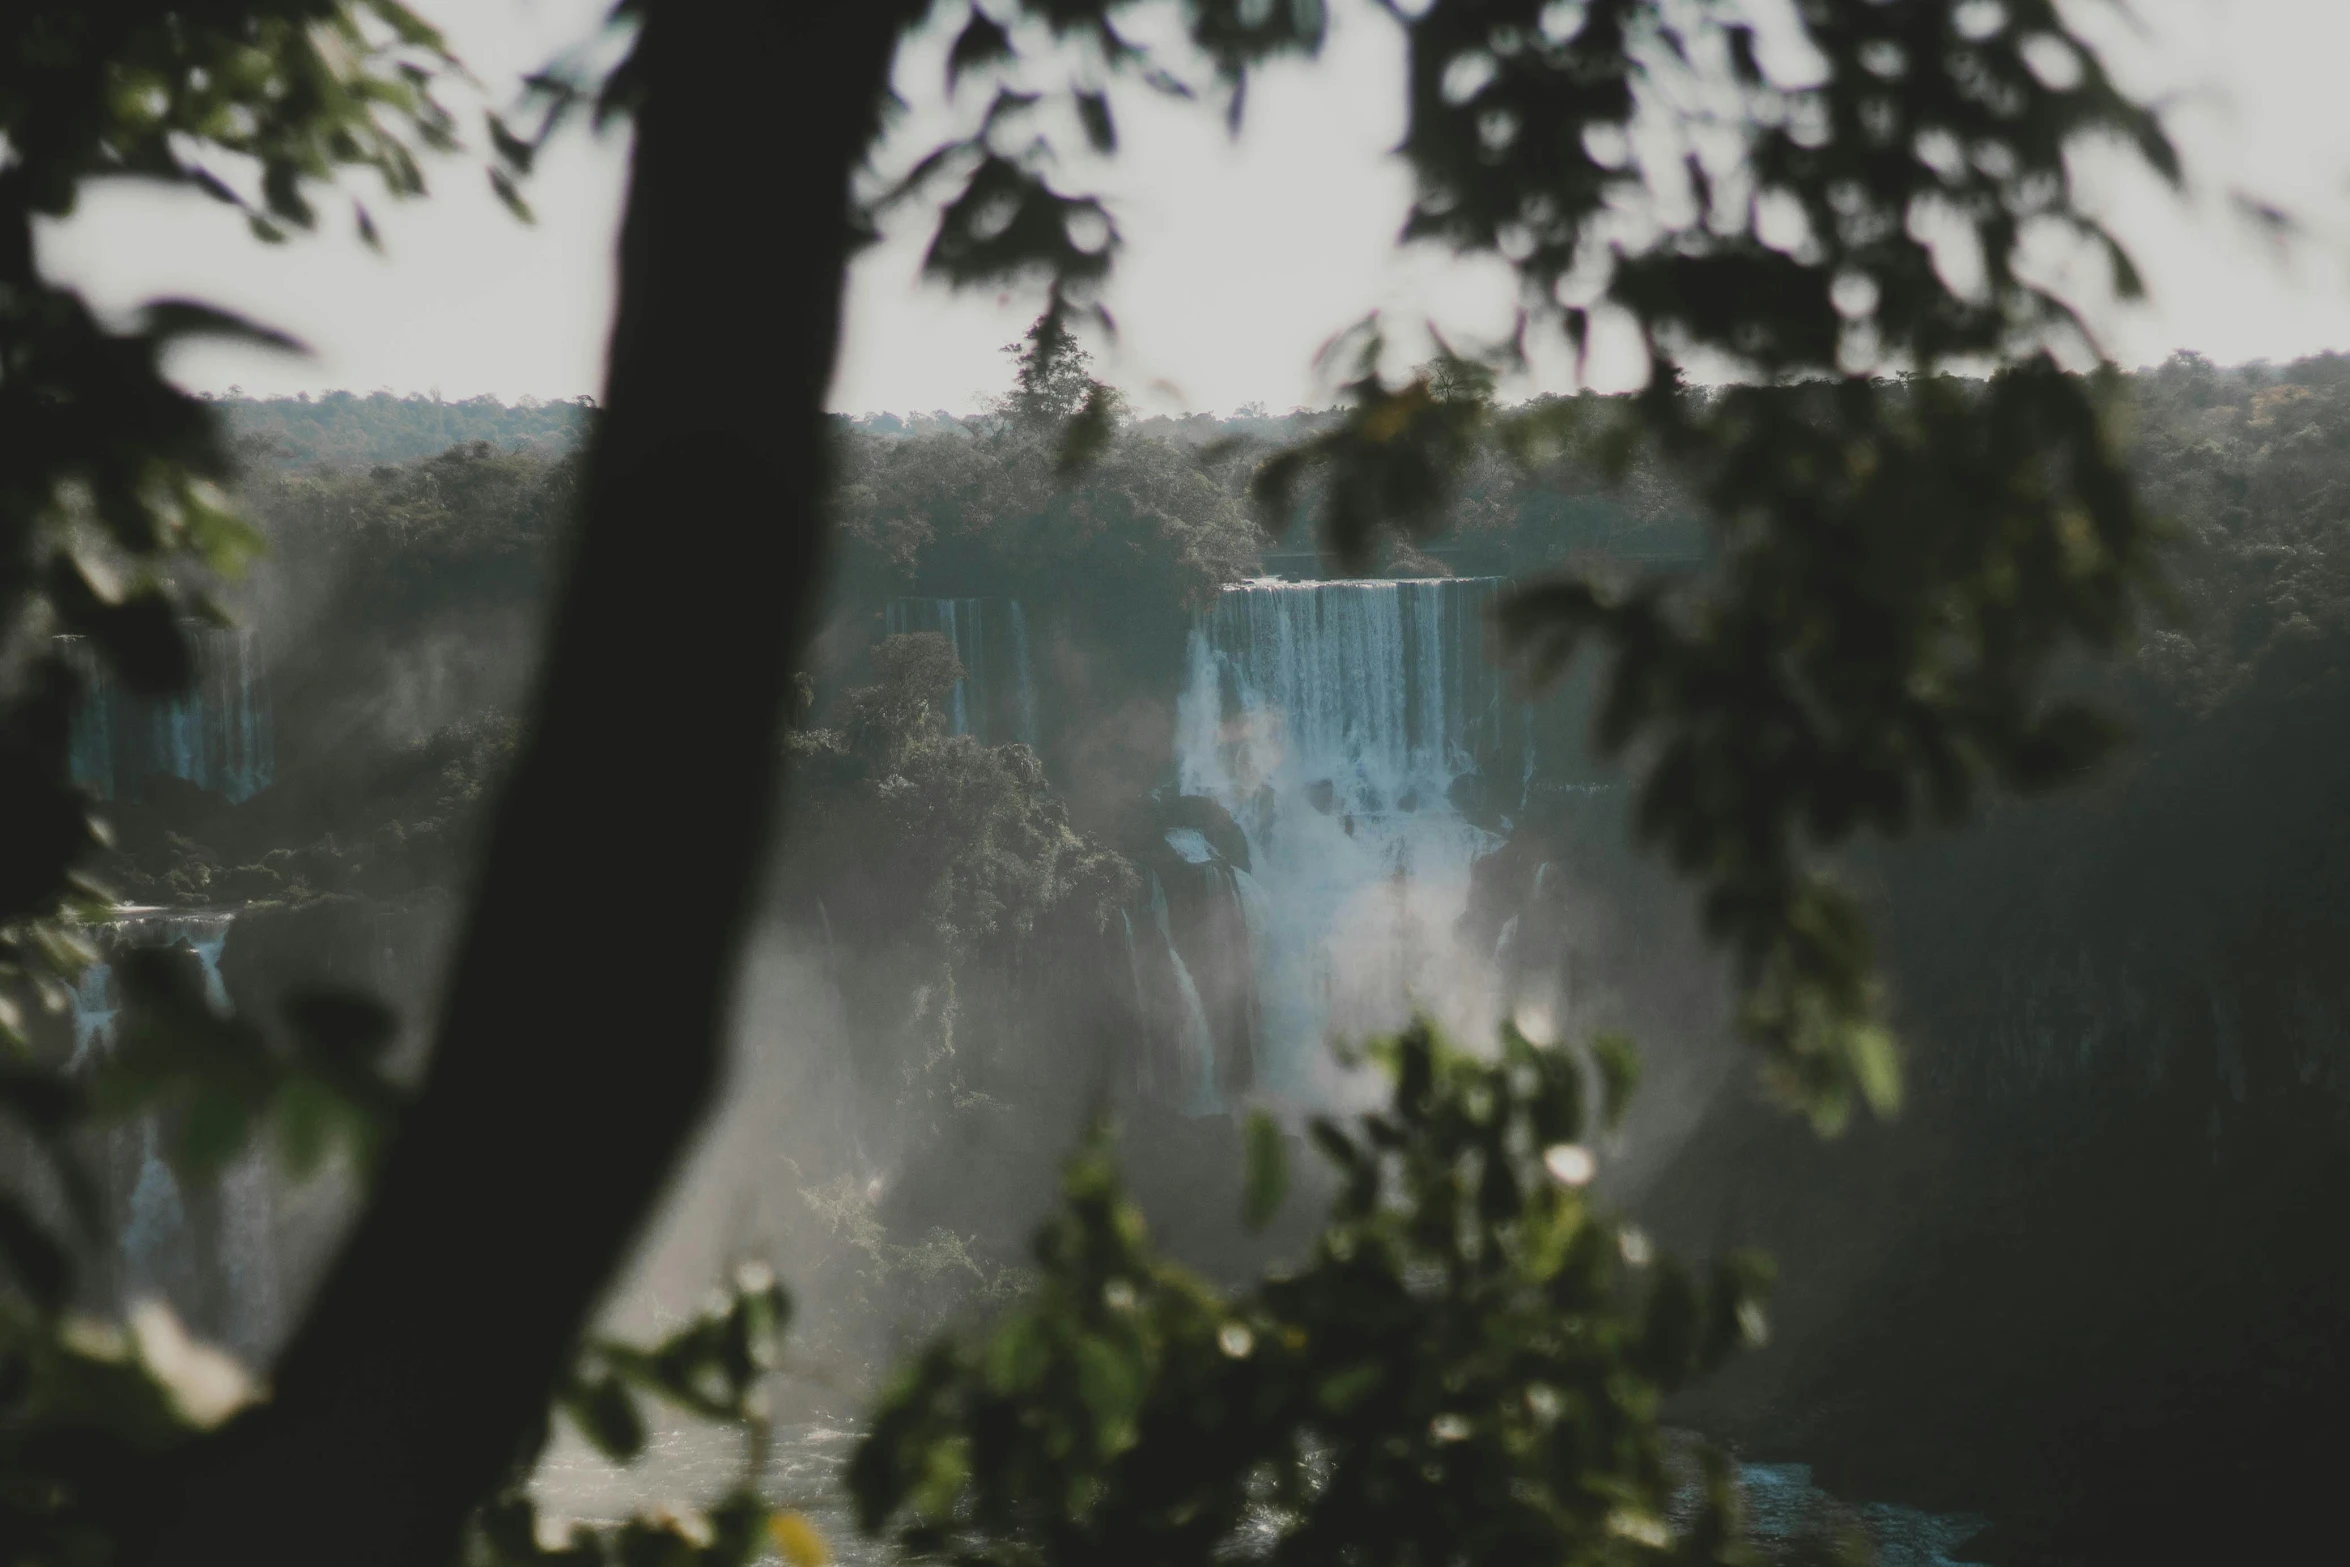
(1242, 259)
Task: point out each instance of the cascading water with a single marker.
(995, 701)
(95, 1005)
(157, 1248)
(217, 735)
(1197, 1041)
(1343, 724)
(1141, 996)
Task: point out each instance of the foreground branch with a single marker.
(568, 1078)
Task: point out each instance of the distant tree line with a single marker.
(359, 430)
(415, 503)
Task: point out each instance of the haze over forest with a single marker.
(722, 885)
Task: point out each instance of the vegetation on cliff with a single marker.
(929, 863)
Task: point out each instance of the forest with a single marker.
(1729, 973)
(1021, 883)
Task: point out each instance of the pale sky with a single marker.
(1241, 259)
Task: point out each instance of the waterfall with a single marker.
(1504, 943)
(1142, 1006)
(157, 1247)
(1197, 1041)
(157, 1251)
(96, 1008)
(217, 734)
(1256, 911)
(1339, 722)
(995, 701)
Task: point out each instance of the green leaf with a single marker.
(167, 320)
(510, 196)
(982, 42)
(1343, 1391)
(1111, 1384)
(1267, 1177)
(307, 1114)
(509, 1526)
(1555, 1114)
(1876, 1065)
(1018, 1357)
(1499, 1199)
(1619, 1075)
(215, 1125)
(518, 152)
(1335, 1145)
(607, 1416)
(222, 540)
(1093, 111)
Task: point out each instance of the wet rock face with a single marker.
(1197, 813)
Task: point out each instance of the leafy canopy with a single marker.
(1468, 1367)
(112, 517)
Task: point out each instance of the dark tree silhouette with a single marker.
(555, 1108)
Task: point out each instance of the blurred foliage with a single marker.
(91, 1414)
(1468, 1367)
(224, 1082)
(1837, 672)
(113, 526)
(712, 1369)
(112, 518)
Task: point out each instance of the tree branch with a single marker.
(572, 1069)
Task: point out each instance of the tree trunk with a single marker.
(568, 1077)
